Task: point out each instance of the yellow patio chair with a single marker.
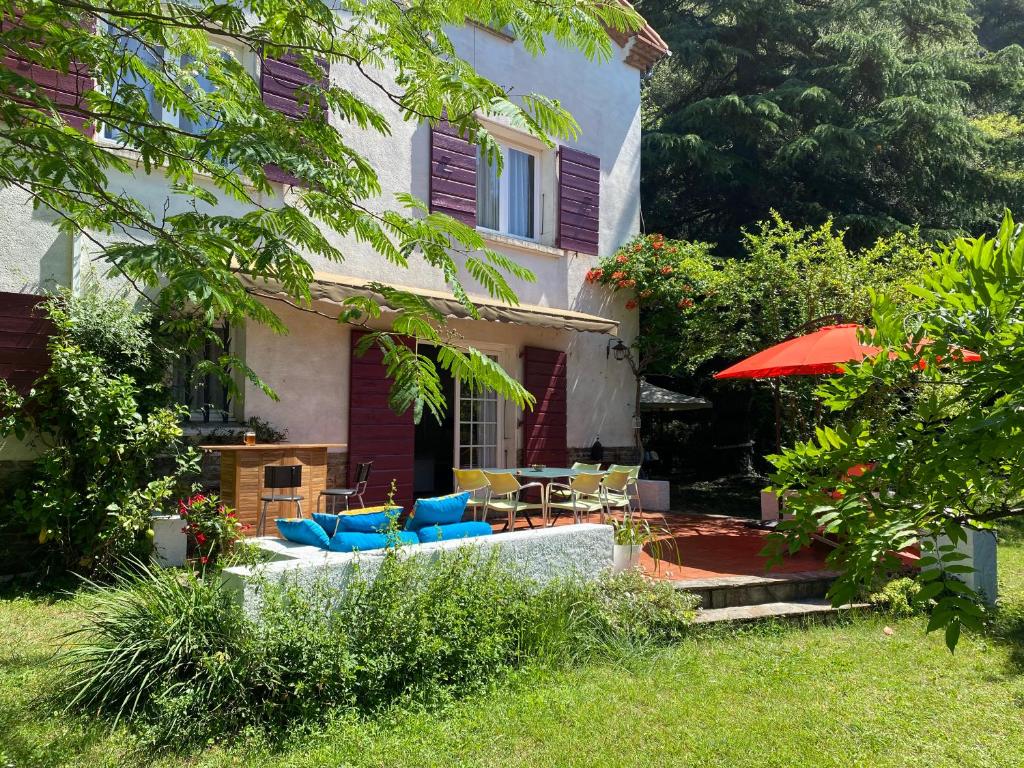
(474, 481)
(504, 498)
(559, 492)
(633, 484)
(583, 497)
(615, 487)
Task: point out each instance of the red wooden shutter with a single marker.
(452, 174)
(579, 200)
(66, 89)
(280, 80)
(375, 432)
(25, 331)
(544, 430)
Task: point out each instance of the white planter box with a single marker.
(169, 542)
(980, 549)
(654, 495)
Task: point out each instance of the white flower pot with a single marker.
(169, 542)
(626, 557)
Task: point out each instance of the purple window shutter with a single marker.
(544, 427)
(452, 174)
(579, 200)
(280, 81)
(66, 89)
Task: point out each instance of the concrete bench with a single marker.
(582, 551)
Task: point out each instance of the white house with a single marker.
(554, 211)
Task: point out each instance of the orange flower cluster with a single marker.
(666, 270)
(685, 303)
(622, 258)
(593, 275)
(631, 304)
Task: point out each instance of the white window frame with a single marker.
(247, 58)
(503, 192)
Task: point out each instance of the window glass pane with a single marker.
(520, 193)
(128, 80)
(487, 193)
(204, 121)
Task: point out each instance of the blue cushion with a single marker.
(454, 531)
(371, 522)
(444, 510)
(349, 541)
(303, 531)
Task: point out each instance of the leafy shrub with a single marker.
(173, 653)
(265, 433)
(573, 620)
(897, 598)
(106, 440)
(212, 528)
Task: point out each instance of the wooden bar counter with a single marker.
(241, 477)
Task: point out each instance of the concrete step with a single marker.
(795, 609)
(735, 591)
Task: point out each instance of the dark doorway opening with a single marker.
(435, 442)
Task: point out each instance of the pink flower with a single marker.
(201, 538)
(631, 304)
(204, 560)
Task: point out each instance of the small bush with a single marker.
(172, 652)
(897, 598)
(264, 430)
(213, 529)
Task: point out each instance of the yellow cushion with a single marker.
(367, 510)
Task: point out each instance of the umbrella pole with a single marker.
(778, 416)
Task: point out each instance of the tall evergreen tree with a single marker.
(884, 114)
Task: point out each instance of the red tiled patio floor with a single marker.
(715, 547)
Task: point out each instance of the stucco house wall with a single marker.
(309, 368)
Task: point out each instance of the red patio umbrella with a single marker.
(814, 353)
(819, 352)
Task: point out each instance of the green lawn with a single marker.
(841, 695)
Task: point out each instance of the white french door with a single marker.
(480, 427)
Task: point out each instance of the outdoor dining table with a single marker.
(544, 476)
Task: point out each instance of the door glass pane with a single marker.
(487, 192)
(520, 193)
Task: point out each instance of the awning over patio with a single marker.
(336, 288)
(654, 398)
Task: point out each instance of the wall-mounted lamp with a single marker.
(618, 347)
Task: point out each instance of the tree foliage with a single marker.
(193, 252)
(949, 459)
(110, 450)
(699, 312)
(871, 113)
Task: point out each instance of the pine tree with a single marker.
(883, 114)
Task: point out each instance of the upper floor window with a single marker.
(508, 203)
(156, 57)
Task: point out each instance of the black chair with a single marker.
(278, 478)
(362, 475)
